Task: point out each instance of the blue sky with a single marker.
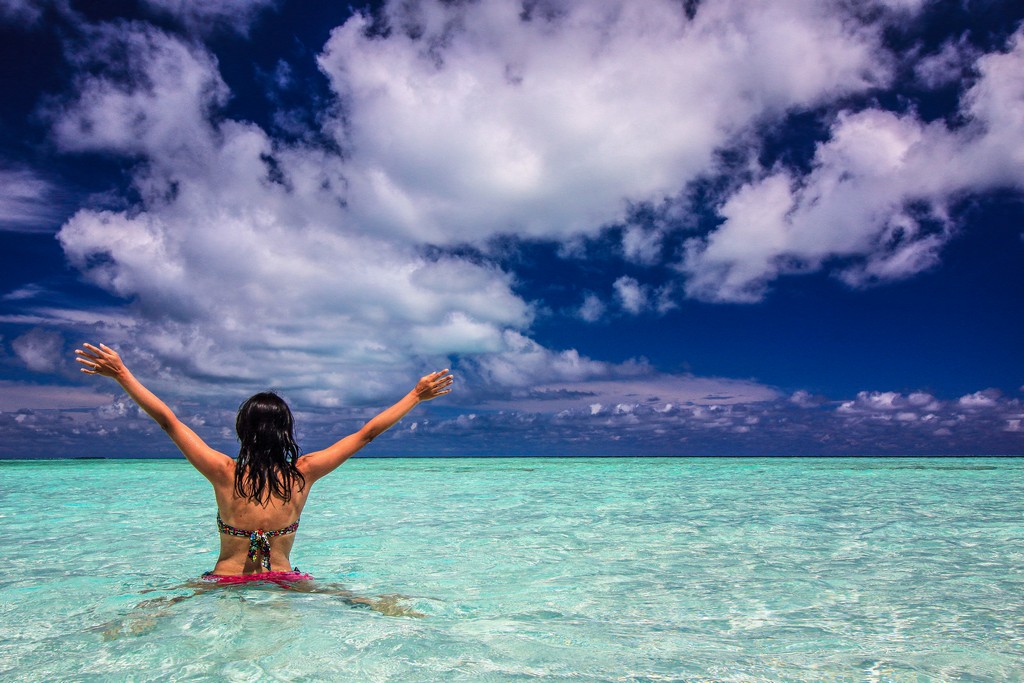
(659, 228)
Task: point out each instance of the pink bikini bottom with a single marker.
(283, 579)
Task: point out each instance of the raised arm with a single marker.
(321, 463)
(103, 360)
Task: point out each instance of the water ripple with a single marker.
(553, 569)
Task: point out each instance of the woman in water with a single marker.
(260, 494)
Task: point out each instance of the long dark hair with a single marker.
(266, 459)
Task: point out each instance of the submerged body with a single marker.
(261, 494)
(289, 579)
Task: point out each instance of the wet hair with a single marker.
(266, 459)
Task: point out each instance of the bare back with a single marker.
(241, 513)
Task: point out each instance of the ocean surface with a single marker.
(517, 569)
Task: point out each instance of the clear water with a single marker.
(531, 569)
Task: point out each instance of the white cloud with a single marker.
(923, 401)
(40, 350)
(996, 103)
(855, 203)
(236, 275)
(592, 308)
(642, 245)
(879, 193)
(989, 398)
(734, 263)
(947, 65)
(804, 399)
(26, 201)
(631, 294)
(160, 112)
(525, 363)
(886, 403)
(467, 120)
(29, 291)
(458, 334)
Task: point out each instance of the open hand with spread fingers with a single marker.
(433, 385)
(101, 360)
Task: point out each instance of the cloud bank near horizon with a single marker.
(633, 419)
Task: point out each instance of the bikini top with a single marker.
(259, 540)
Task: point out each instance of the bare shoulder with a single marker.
(313, 466)
(220, 470)
(305, 464)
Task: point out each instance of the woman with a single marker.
(260, 495)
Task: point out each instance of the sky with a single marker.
(701, 227)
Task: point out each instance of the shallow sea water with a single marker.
(582, 569)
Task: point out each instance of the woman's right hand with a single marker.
(100, 361)
(433, 385)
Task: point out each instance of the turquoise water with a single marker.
(531, 569)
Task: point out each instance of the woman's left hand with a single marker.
(100, 361)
